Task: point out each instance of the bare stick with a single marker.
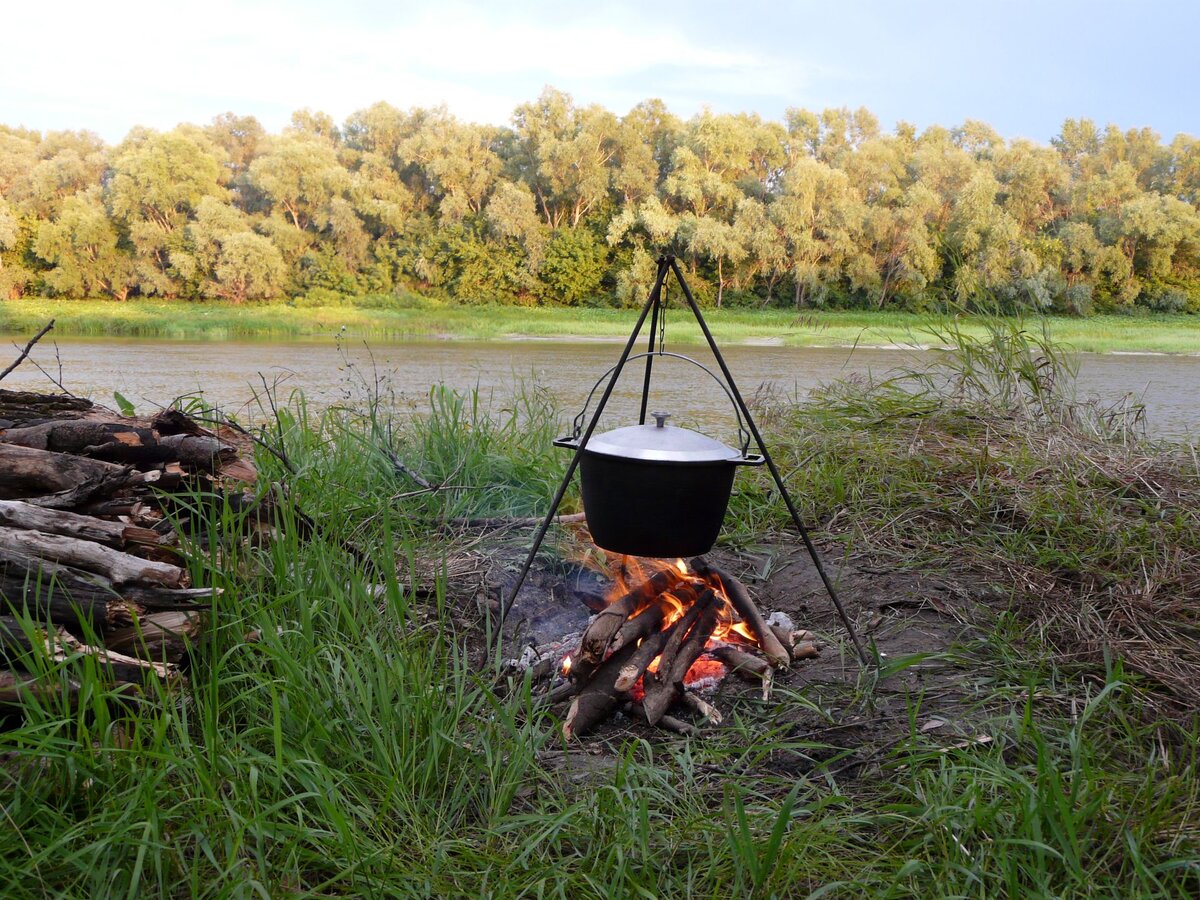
(24, 353)
(772, 649)
(742, 664)
(511, 522)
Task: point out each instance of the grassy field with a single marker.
(1102, 334)
(361, 748)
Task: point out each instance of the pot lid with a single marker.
(660, 443)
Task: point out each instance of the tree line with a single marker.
(571, 205)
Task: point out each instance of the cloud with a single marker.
(113, 66)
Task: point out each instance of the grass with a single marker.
(424, 319)
(359, 748)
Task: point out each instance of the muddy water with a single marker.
(152, 372)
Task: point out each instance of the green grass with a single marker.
(357, 750)
(213, 321)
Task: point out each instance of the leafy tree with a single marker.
(157, 181)
(82, 246)
(574, 267)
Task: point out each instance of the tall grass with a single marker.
(356, 750)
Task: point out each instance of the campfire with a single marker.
(668, 631)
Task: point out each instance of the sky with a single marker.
(1021, 66)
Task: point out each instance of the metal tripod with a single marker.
(667, 264)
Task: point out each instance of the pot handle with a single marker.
(743, 434)
(750, 459)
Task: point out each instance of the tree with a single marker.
(157, 181)
(82, 246)
(562, 153)
(13, 276)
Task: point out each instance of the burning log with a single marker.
(599, 634)
(776, 654)
(640, 626)
(642, 656)
(599, 697)
(675, 661)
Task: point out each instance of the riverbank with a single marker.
(1026, 572)
(427, 319)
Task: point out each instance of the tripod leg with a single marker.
(762, 448)
(506, 605)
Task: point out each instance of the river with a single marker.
(152, 372)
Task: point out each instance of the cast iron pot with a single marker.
(656, 490)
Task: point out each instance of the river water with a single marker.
(153, 372)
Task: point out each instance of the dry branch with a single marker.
(670, 723)
(25, 352)
(701, 707)
(120, 568)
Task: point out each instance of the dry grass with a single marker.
(984, 461)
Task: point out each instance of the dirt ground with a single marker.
(835, 717)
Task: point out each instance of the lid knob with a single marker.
(660, 418)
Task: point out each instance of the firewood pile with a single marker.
(641, 653)
(89, 559)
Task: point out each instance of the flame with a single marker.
(566, 664)
(681, 566)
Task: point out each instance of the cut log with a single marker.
(807, 650)
(599, 634)
(43, 474)
(120, 568)
(18, 514)
(598, 697)
(22, 408)
(776, 654)
(163, 637)
(197, 452)
(744, 665)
